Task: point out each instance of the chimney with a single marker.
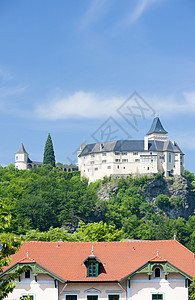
(146, 143)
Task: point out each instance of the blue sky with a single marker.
(67, 67)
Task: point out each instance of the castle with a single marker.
(137, 157)
(23, 162)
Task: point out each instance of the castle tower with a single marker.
(157, 132)
(21, 158)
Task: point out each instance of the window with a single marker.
(170, 157)
(124, 153)
(104, 154)
(104, 161)
(96, 169)
(117, 160)
(92, 269)
(124, 160)
(150, 153)
(117, 153)
(92, 162)
(113, 297)
(92, 297)
(16, 157)
(157, 273)
(92, 155)
(157, 296)
(27, 274)
(135, 153)
(108, 167)
(71, 297)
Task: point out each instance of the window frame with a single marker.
(30, 295)
(157, 295)
(25, 275)
(89, 264)
(71, 293)
(155, 271)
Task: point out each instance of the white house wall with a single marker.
(141, 288)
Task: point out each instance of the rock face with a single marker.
(175, 188)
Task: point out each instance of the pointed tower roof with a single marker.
(157, 127)
(21, 149)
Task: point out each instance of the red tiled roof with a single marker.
(65, 259)
(157, 259)
(26, 260)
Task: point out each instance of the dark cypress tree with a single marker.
(49, 156)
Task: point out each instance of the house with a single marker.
(128, 270)
(23, 162)
(137, 157)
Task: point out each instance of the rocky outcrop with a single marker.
(175, 188)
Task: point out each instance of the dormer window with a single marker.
(93, 265)
(27, 274)
(92, 268)
(157, 273)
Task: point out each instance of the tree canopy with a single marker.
(7, 283)
(49, 156)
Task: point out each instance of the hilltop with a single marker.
(141, 207)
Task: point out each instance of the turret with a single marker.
(157, 132)
(21, 158)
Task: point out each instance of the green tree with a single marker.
(49, 156)
(7, 283)
(97, 232)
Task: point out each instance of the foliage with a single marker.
(97, 232)
(49, 156)
(192, 290)
(50, 204)
(7, 283)
(162, 201)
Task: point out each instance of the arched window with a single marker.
(157, 273)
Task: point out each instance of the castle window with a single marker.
(118, 167)
(150, 153)
(96, 169)
(148, 168)
(117, 153)
(104, 154)
(117, 160)
(92, 162)
(157, 273)
(124, 160)
(108, 167)
(104, 161)
(124, 153)
(170, 158)
(92, 155)
(135, 153)
(16, 157)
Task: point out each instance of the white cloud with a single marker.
(139, 10)
(171, 105)
(80, 105)
(90, 105)
(94, 12)
(136, 12)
